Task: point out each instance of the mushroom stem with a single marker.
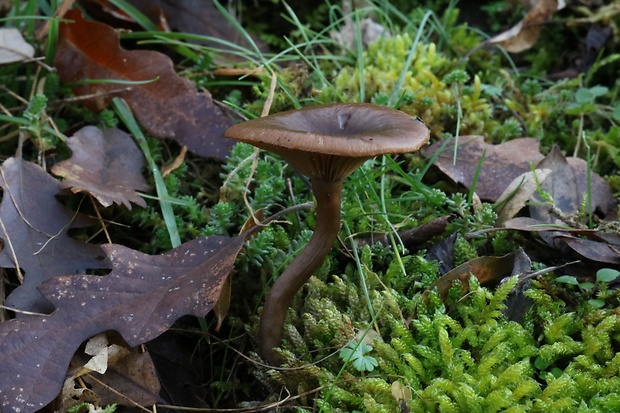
(328, 198)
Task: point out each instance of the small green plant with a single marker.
(585, 100)
(357, 353)
(600, 289)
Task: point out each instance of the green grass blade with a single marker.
(126, 116)
(136, 15)
(360, 270)
(412, 52)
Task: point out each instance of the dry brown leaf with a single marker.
(485, 269)
(187, 16)
(114, 374)
(141, 298)
(525, 34)
(133, 379)
(502, 163)
(560, 184)
(592, 250)
(588, 243)
(105, 163)
(534, 225)
(72, 395)
(167, 105)
(36, 233)
(516, 195)
(176, 163)
(603, 200)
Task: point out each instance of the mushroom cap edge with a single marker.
(344, 129)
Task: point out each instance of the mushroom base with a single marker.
(328, 199)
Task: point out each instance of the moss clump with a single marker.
(424, 92)
(462, 355)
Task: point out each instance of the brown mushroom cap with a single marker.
(330, 141)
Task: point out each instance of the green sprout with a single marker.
(357, 352)
(603, 277)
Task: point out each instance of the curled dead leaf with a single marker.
(517, 194)
(485, 269)
(524, 34)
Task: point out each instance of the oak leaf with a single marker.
(165, 104)
(105, 163)
(35, 233)
(141, 298)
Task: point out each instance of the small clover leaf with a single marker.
(357, 353)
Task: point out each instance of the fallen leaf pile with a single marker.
(140, 298)
(506, 177)
(167, 105)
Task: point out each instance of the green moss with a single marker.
(426, 94)
(461, 356)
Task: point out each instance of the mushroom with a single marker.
(326, 143)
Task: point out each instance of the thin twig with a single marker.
(7, 238)
(17, 310)
(103, 225)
